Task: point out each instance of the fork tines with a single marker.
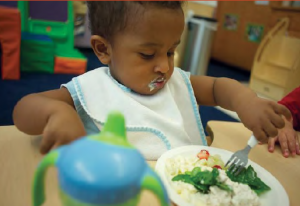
(235, 165)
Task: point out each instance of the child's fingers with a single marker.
(270, 129)
(291, 142)
(280, 109)
(277, 120)
(271, 144)
(56, 145)
(260, 135)
(284, 145)
(46, 144)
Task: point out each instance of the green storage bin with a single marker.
(37, 56)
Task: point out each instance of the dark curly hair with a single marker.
(109, 17)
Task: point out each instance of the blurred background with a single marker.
(45, 44)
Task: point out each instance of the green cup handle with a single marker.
(152, 182)
(38, 194)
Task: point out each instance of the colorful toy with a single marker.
(10, 39)
(100, 170)
(68, 65)
(37, 53)
(61, 32)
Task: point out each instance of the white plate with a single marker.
(277, 196)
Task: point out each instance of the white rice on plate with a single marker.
(242, 195)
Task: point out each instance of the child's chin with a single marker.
(149, 92)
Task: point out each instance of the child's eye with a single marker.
(170, 54)
(147, 56)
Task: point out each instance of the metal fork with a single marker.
(239, 159)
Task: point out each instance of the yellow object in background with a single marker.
(80, 10)
(276, 67)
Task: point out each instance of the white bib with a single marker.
(154, 123)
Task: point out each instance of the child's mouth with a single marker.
(157, 83)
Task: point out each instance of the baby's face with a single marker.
(142, 56)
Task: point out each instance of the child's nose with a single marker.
(163, 67)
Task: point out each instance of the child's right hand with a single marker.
(288, 140)
(61, 128)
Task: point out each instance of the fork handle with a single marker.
(252, 141)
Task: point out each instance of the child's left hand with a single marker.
(263, 117)
(288, 140)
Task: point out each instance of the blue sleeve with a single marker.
(71, 88)
(88, 123)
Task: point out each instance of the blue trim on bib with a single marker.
(124, 88)
(157, 133)
(88, 123)
(194, 105)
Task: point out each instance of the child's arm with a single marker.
(49, 113)
(261, 116)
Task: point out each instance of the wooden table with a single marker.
(19, 157)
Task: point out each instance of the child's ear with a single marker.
(101, 48)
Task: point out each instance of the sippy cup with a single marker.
(100, 170)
